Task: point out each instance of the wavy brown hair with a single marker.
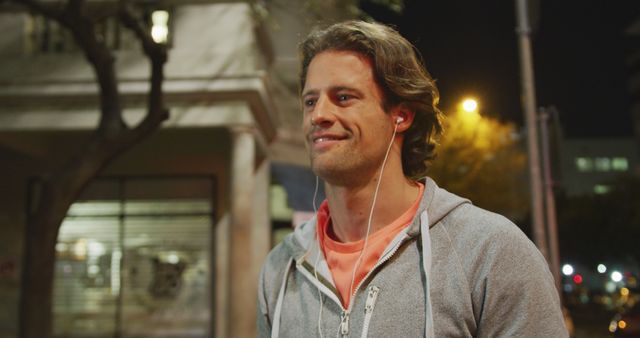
(400, 74)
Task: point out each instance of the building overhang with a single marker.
(21, 98)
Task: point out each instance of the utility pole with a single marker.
(549, 198)
(529, 106)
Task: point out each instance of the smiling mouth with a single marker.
(326, 139)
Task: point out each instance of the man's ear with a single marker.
(402, 117)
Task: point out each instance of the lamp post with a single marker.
(529, 107)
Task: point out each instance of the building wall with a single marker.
(209, 40)
(14, 172)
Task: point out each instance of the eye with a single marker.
(309, 102)
(344, 97)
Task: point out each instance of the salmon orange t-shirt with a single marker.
(341, 257)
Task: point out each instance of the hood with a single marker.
(437, 202)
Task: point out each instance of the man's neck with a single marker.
(350, 206)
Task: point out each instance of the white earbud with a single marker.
(399, 119)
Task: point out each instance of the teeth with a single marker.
(322, 139)
(326, 138)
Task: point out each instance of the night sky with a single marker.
(471, 48)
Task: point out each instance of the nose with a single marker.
(323, 114)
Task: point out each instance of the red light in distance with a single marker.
(577, 278)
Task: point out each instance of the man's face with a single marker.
(347, 131)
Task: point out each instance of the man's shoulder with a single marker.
(485, 241)
(278, 256)
(273, 270)
(292, 246)
(471, 223)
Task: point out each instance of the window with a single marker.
(603, 164)
(584, 164)
(134, 257)
(47, 36)
(619, 164)
(601, 189)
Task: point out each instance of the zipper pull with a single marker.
(344, 324)
(371, 299)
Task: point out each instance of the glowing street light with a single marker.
(567, 270)
(616, 276)
(160, 27)
(470, 105)
(602, 268)
(468, 112)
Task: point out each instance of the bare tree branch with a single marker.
(157, 54)
(99, 55)
(48, 11)
(96, 52)
(75, 5)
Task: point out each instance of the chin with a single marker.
(323, 170)
(337, 175)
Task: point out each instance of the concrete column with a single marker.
(248, 221)
(222, 279)
(261, 231)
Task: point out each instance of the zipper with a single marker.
(344, 324)
(331, 292)
(327, 289)
(355, 291)
(372, 296)
(380, 262)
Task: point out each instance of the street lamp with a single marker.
(468, 110)
(470, 105)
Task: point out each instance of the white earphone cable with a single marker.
(373, 204)
(366, 238)
(315, 194)
(315, 264)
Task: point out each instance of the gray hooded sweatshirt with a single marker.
(456, 271)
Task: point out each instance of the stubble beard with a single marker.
(347, 169)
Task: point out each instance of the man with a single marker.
(389, 254)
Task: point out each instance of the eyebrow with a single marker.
(332, 89)
(310, 92)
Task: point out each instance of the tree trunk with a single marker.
(39, 263)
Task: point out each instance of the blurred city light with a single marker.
(567, 270)
(624, 292)
(173, 258)
(602, 268)
(577, 278)
(96, 249)
(622, 324)
(616, 276)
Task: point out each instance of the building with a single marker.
(589, 166)
(169, 240)
(633, 64)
